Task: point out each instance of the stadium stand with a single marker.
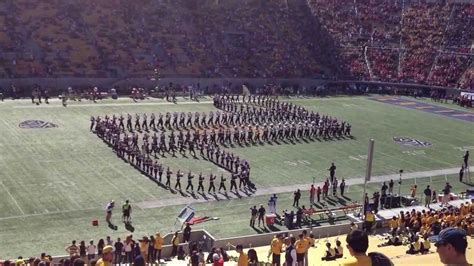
(425, 42)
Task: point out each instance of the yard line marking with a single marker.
(462, 115)
(444, 111)
(407, 103)
(14, 200)
(424, 107)
(49, 213)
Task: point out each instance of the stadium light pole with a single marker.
(368, 170)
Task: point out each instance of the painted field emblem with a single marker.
(36, 124)
(411, 142)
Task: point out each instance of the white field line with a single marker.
(14, 200)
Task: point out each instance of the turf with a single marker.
(54, 181)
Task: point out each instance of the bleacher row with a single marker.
(426, 42)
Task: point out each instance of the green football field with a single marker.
(55, 181)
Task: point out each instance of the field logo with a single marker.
(411, 142)
(36, 124)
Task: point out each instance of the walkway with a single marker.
(201, 198)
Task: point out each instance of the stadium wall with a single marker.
(62, 83)
(205, 240)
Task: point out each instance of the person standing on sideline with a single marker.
(446, 194)
(427, 193)
(384, 189)
(312, 191)
(390, 187)
(109, 208)
(342, 186)
(296, 198)
(466, 159)
(253, 215)
(126, 211)
(318, 193)
(187, 233)
(175, 242)
(334, 187)
(332, 172)
(261, 215)
(461, 173)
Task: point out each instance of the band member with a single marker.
(211, 184)
(190, 182)
(201, 180)
(178, 180)
(222, 184)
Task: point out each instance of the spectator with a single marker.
(261, 215)
(73, 249)
(339, 250)
(276, 247)
(290, 252)
(357, 244)
(144, 244)
(79, 262)
(369, 221)
(194, 258)
(100, 247)
(82, 250)
(186, 233)
(253, 258)
(158, 245)
(118, 251)
(91, 250)
(301, 246)
(107, 256)
(243, 258)
(451, 246)
(330, 253)
(175, 243)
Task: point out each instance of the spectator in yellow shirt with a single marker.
(393, 224)
(107, 256)
(276, 248)
(301, 247)
(243, 258)
(158, 244)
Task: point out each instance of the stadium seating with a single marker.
(426, 42)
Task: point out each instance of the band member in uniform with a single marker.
(190, 182)
(222, 184)
(200, 186)
(178, 180)
(168, 177)
(233, 183)
(211, 184)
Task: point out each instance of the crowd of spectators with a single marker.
(425, 42)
